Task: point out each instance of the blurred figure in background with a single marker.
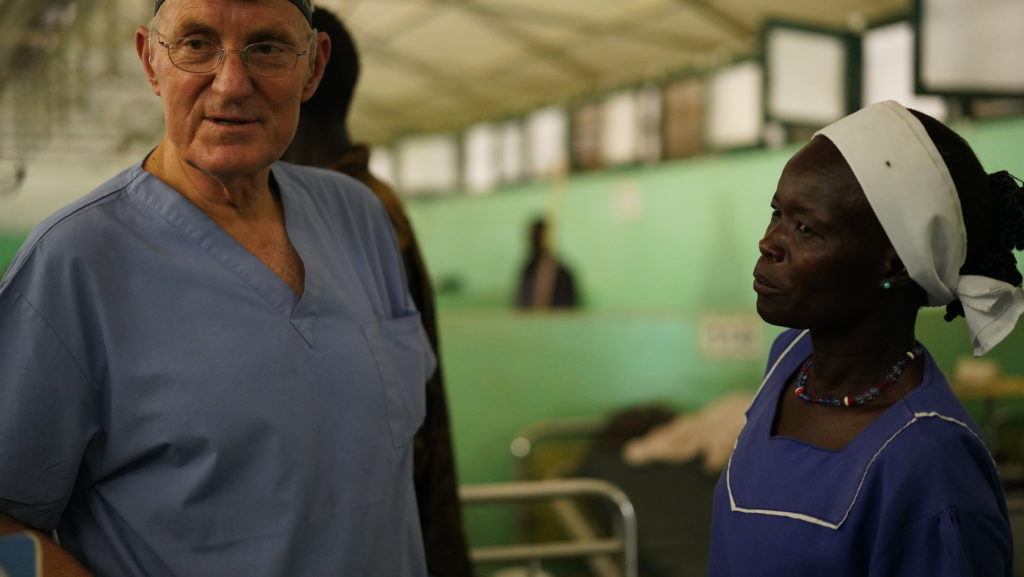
(545, 282)
(323, 140)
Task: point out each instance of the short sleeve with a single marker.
(47, 415)
(952, 543)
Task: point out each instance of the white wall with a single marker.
(53, 180)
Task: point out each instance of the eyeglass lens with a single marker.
(263, 58)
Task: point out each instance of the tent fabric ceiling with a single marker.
(441, 65)
(428, 65)
(30, 30)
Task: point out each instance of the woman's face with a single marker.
(824, 254)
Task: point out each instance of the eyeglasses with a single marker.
(264, 59)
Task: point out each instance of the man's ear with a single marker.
(321, 54)
(144, 50)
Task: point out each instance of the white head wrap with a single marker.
(912, 193)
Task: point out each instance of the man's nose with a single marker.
(232, 76)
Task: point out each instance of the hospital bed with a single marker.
(665, 536)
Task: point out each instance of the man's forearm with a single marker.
(56, 561)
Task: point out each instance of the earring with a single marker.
(886, 284)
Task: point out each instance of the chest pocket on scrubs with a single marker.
(404, 362)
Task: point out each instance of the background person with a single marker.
(212, 365)
(857, 458)
(545, 281)
(322, 139)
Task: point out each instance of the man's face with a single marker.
(229, 123)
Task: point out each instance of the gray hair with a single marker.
(155, 21)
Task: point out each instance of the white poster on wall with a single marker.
(735, 117)
(972, 46)
(481, 168)
(427, 164)
(888, 59)
(382, 165)
(619, 134)
(806, 76)
(548, 141)
(510, 151)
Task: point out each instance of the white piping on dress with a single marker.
(962, 424)
(822, 523)
(782, 355)
(789, 514)
(766, 377)
(834, 526)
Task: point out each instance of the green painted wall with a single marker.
(9, 244)
(691, 247)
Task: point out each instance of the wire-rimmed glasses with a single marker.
(266, 59)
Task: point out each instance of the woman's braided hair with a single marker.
(993, 209)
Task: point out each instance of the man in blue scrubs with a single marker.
(211, 364)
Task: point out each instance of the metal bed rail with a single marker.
(622, 543)
(526, 442)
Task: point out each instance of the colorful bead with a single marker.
(800, 390)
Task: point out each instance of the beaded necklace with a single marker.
(847, 401)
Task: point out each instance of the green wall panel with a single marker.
(9, 244)
(691, 244)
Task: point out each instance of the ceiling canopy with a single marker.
(69, 66)
(437, 65)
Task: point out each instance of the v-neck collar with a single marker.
(221, 246)
(791, 462)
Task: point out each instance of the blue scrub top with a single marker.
(172, 407)
(915, 494)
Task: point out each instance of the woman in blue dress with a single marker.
(856, 458)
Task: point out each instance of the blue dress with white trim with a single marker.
(916, 493)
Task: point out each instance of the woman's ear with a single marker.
(896, 274)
